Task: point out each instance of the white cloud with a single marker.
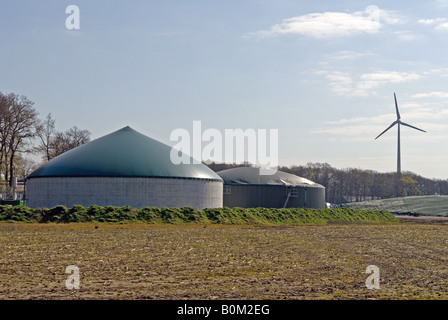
(435, 94)
(407, 35)
(441, 24)
(334, 24)
(366, 129)
(369, 128)
(431, 21)
(439, 71)
(442, 27)
(347, 55)
(391, 17)
(342, 83)
(325, 25)
(378, 78)
(412, 105)
(377, 119)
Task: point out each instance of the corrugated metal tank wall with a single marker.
(308, 197)
(135, 192)
(272, 196)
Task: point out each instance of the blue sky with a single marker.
(321, 72)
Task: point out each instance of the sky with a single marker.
(323, 73)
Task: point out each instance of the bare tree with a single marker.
(78, 137)
(26, 166)
(45, 131)
(17, 126)
(53, 143)
(5, 124)
(65, 141)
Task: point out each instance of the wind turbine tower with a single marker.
(398, 122)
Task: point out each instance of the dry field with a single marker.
(142, 261)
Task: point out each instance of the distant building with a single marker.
(245, 187)
(123, 168)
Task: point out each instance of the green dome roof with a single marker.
(123, 153)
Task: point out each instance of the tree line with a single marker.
(355, 185)
(22, 133)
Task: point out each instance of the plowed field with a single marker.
(142, 261)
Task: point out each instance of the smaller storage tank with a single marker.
(244, 187)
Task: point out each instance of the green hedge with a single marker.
(62, 214)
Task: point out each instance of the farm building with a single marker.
(245, 187)
(123, 168)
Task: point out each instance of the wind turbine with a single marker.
(398, 122)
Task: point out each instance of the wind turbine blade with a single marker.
(394, 123)
(396, 108)
(408, 125)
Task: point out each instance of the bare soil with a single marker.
(142, 261)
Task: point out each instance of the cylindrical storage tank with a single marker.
(123, 168)
(245, 187)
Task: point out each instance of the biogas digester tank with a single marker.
(246, 187)
(124, 168)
